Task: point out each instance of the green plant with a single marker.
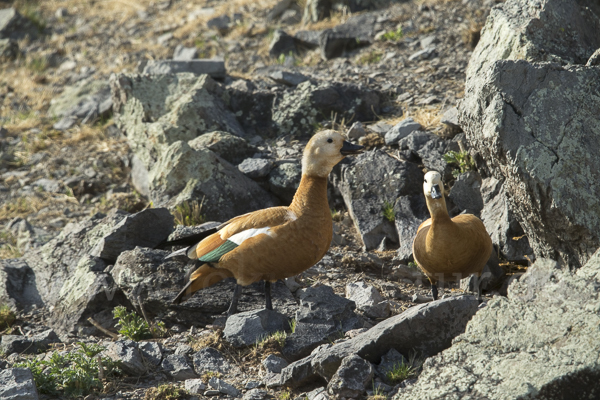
(388, 211)
(292, 324)
(413, 264)
(38, 64)
(401, 371)
(132, 325)
(211, 374)
(73, 374)
(336, 215)
(371, 57)
(7, 317)
(393, 36)
(189, 214)
(284, 395)
(462, 159)
(166, 392)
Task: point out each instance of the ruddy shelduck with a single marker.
(449, 249)
(277, 242)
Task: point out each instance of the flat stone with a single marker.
(401, 130)
(256, 394)
(210, 360)
(274, 364)
(368, 299)
(28, 345)
(151, 351)
(177, 367)
(351, 378)
(255, 168)
(17, 384)
(248, 328)
(194, 386)
(182, 53)
(288, 78)
(224, 387)
(422, 54)
(129, 356)
(214, 68)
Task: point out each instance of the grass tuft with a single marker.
(372, 57)
(189, 214)
(135, 327)
(393, 36)
(336, 215)
(166, 392)
(461, 159)
(7, 317)
(401, 371)
(388, 211)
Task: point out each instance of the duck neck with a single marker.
(311, 196)
(437, 209)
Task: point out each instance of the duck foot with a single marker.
(434, 292)
(268, 303)
(237, 292)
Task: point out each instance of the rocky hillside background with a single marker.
(124, 123)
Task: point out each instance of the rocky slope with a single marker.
(124, 121)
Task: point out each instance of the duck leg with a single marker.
(434, 291)
(268, 304)
(237, 292)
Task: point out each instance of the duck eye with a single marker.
(329, 140)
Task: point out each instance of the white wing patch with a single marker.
(238, 238)
(291, 216)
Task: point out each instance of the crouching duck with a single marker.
(277, 242)
(449, 249)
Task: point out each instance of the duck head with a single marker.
(433, 188)
(323, 151)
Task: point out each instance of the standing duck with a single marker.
(449, 249)
(277, 242)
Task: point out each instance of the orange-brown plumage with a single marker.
(282, 241)
(449, 249)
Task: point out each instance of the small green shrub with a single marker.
(371, 57)
(7, 317)
(461, 159)
(393, 36)
(166, 392)
(132, 325)
(73, 374)
(401, 371)
(336, 215)
(388, 211)
(189, 214)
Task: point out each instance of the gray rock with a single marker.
(177, 367)
(151, 351)
(184, 350)
(543, 168)
(146, 228)
(28, 345)
(15, 26)
(139, 176)
(501, 223)
(389, 361)
(410, 211)
(450, 118)
(17, 384)
(9, 49)
(214, 68)
(298, 373)
(212, 392)
(422, 54)
(321, 315)
(220, 23)
(182, 53)
(209, 359)
(284, 180)
(380, 128)
(351, 378)
(274, 364)
(224, 387)
(194, 386)
(278, 9)
(256, 394)
(528, 345)
(466, 193)
(255, 168)
(373, 179)
(248, 328)
(128, 354)
(85, 102)
(312, 102)
(401, 130)
(356, 131)
(358, 31)
(308, 39)
(491, 276)
(288, 78)
(593, 60)
(17, 284)
(367, 299)
(282, 44)
(227, 146)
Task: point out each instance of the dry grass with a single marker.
(471, 34)
(428, 117)
(21, 207)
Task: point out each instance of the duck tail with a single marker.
(203, 277)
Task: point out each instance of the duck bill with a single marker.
(349, 148)
(436, 193)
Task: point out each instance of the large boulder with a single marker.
(541, 342)
(538, 139)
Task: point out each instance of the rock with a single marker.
(282, 44)
(146, 228)
(151, 351)
(227, 146)
(253, 107)
(501, 223)
(312, 102)
(274, 364)
(466, 193)
(491, 276)
(278, 9)
(426, 328)
(128, 354)
(351, 378)
(373, 179)
(28, 345)
(177, 367)
(316, 10)
(17, 383)
(15, 26)
(410, 211)
(220, 23)
(255, 168)
(248, 328)
(182, 53)
(9, 50)
(308, 39)
(85, 102)
(256, 394)
(224, 387)
(380, 128)
(210, 360)
(321, 315)
(541, 326)
(213, 68)
(401, 130)
(368, 299)
(389, 361)
(194, 386)
(224, 190)
(17, 284)
(422, 54)
(358, 31)
(284, 180)
(287, 78)
(560, 220)
(356, 131)
(450, 118)
(594, 59)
